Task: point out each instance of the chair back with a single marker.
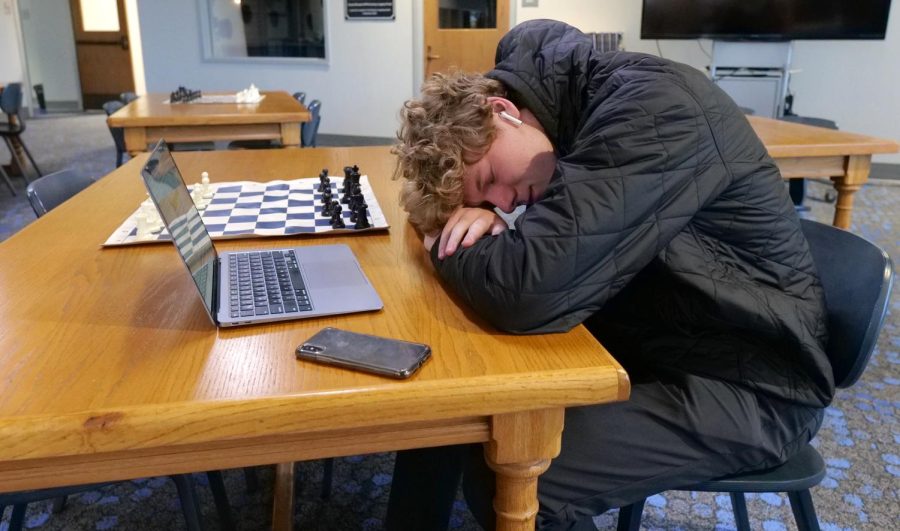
(309, 130)
(300, 96)
(117, 133)
(11, 98)
(50, 191)
(857, 276)
(127, 97)
(809, 120)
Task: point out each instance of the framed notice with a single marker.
(369, 10)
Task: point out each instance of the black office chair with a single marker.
(50, 191)
(12, 129)
(117, 133)
(797, 187)
(857, 276)
(309, 130)
(190, 505)
(127, 97)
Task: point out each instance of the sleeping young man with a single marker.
(655, 217)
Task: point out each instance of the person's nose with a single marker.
(503, 198)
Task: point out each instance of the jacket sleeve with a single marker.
(645, 163)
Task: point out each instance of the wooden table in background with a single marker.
(111, 369)
(807, 151)
(147, 119)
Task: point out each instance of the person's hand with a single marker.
(466, 226)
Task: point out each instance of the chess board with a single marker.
(254, 210)
(215, 98)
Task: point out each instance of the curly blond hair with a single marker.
(447, 129)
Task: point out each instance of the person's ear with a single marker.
(505, 110)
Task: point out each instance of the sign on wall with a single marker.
(369, 10)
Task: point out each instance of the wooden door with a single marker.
(463, 34)
(101, 45)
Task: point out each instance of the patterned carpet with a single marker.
(860, 438)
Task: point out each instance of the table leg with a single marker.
(135, 140)
(520, 450)
(290, 134)
(856, 173)
(283, 497)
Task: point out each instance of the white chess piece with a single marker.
(207, 189)
(143, 226)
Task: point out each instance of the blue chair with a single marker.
(300, 96)
(127, 97)
(12, 129)
(857, 276)
(117, 133)
(309, 130)
(7, 181)
(797, 187)
(50, 191)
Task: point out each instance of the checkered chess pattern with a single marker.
(276, 208)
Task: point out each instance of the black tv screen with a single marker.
(772, 20)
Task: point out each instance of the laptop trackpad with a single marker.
(332, 274)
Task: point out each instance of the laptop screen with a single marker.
(177, 210)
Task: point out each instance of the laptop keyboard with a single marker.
(266, 283)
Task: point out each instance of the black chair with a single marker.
(127, 97)
(309, 130)
(190, 505)
(12, 129)
(300, 96)
(797, 187)
(118, 134)
(50, 191)
(857, 276)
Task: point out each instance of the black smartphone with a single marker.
(378, 355)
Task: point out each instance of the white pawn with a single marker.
(207, 189)
(144, 229)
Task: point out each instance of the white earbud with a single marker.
(510, 118)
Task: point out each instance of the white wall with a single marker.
(49, 41)
(852, 82)
(10, 62)
(367, 78)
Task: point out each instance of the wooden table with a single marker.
(147, 119)
(806, 151)
(111, 370)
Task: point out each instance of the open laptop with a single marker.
(257, 286)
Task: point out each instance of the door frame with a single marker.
(418, 14)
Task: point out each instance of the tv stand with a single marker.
(754, 74)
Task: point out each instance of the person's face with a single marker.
(518, 166)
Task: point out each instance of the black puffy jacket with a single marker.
(666, 224)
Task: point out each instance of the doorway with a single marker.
(100, 28)
(463, 34)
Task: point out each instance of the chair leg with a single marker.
(327, 476)
(119, 155)
(6, 179)
(804, 510)
(23, 169)
(18, 517)
(190, 507)
(739, 506)
(33, 163)
(217, 486)
(251, 479)
(59, 503)
(630, 516)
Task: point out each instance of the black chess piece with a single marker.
(327, 208)
(326, 196)
(337, 218)
(362, 217)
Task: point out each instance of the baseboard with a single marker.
(884, 170)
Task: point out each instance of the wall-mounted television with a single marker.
(768, 20)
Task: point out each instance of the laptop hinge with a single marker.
(217, 265)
